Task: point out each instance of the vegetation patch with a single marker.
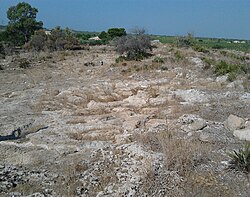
(240, 160)
(135, 46)
(24, 63)
(200, 48)
(223, 68)
(158, 60)
(179, 56)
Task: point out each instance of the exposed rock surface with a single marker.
(103, 130)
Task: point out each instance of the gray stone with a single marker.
(242, 134)
(234, 122)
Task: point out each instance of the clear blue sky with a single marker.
(208, 18)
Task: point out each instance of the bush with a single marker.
(241, 160)
(58, 40)
(135, 45)
(38, 41)
(223, 68)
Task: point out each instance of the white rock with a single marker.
(192, 96)
(242, 134)
(221, 79)
(138, 100)
(234, 122)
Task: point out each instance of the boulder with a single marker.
(234, 122)
(242, 134)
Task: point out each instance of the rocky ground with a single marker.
(120, 129)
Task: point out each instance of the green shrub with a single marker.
(223, 68)
(240, 160)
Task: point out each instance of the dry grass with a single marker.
(183, 157)
(180, 155)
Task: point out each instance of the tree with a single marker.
(134, 45)
(103, 35)
(116, 32)
(22, 22)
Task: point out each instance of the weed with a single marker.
(120, 59)
(200, 48)
(178, 55)
(164, 68)
(232, 76)
(158, 60)
(185, 41)
(179, 155)
(208, 62)
(233, 55)
(240, 160)
(24, 63)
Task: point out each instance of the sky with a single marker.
(203, 18)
